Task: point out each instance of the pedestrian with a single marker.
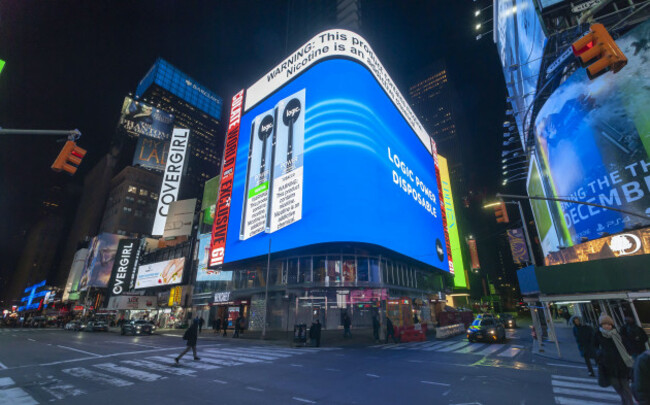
(191, 335)
(224, 325)
(634, 337)
(347, 322)
(314, 333)
(238, 323)
(641, 381)
(201, 321)
(613, 360)
(216, 325)
(375, 327)
(390, 330)
(584, 336)
(566, 315)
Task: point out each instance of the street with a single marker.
(39, 366)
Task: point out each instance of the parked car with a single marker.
(508, 320)
(487, 329)
(96, 326)
(73, 325)
(140, 327)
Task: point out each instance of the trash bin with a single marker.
(300, 334)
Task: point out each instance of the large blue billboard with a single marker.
(332, 160)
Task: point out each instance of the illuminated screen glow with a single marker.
(460, 277)
(361, 172)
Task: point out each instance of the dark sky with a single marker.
(70, 64)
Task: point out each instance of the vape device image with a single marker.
(256, 192)
(285, 202)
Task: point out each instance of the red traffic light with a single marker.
(501, 213)
(69, 158)
(598, 52)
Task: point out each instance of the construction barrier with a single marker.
(444, 332)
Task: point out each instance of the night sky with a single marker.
(70, 64)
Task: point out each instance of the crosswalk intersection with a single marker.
(75, 380)
(458, 347)
(569, 390)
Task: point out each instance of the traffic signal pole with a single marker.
(72, 134)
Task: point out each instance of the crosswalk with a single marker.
(569, 390)
(72, 381)
(459, 347)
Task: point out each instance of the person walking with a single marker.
(613, 360)
(238, 323)
(584, 336)
(634, 337)
(566, 315)
(201, 321)
(347, 322)
(375, 327)
(641, 380)
(224, 325)
(191, 335)
(314, 333)
(216, 325)
(390, 331)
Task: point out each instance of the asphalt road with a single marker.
(42, 366)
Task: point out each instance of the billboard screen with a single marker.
(208, 204)
(203, 272)
(140, 118)
(151, 153)
(544, 222)
(99, 263)
(180, 218)
(71, 291)
(330, 156)
(125, 263)
(161, 273)
(593, 146)
(520, 41)
(460, 280)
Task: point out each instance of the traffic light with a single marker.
(69, 158)
(599, 52)
(501, 213)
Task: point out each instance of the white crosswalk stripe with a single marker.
(451, 348)
(129, 372)
(569, 390)
(105, 379)
(16, 396)
(159, 367)
(215, 353)
(198, 365)
(457, 347)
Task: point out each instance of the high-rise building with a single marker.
(194, 107)
(307, 18)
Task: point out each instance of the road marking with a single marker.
(80, 351)
(511, 352)
(250, 354)
(373, 375)
(296, 365)
(416, 361)
(254, 389)
(16, 396)
(159, 367)
(220, 382)
(228, 357)
(575, 401)
(303, 400)
(489, 350)
(440, 345)
(566, 365)
(453, 347)
(579, 379)
(134, 344)
(59, 390)
(32, 340)
(129, 372)
(435, 383)
(572, 384)
(220, 362)
(473, 347)
(193, 364)
(332, 369)
(2, 367)
(264, 352)
(6, 382)
(101, 378)
(586, 394)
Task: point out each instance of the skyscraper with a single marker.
(194, 107)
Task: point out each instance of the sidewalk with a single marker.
(568, 347)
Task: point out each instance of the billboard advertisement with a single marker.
(593, 145)
(518, 246)
(208, 204)
(140, 118)
(171, 178)
(132, 302)
(326, 151)
(180, 218)
(544, 222)
(460, 278)
(99, 263)
(473, 253)
(203, 272)
(126, 261)
(520, 41)
(151, 153)
(161, 273)
(71, 291)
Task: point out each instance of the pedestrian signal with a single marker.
(598, 52)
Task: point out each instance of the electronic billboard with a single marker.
(324, 148)
(593, 145)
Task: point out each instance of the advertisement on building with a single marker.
(593, 146)
(345, 159)
(159, 274)
(132, 302)
(630, 243)
(139, 118)
(203, 272)
(151, 153)
(99, 263)
(34, 299)
(520, 41)
(126, 261)
(460, 276)
(180, 218)
(71, 291)
(209, 202)
(518, 246)
(172, 177)
(541, 209)
(473, 254)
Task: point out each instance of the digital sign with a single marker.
(99, 263)
(32, 300)
(203, 272)
(140, 118)
(328, 151)
(593, 146)
(460, 276)
(160, 273)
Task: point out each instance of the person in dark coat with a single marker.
(191, 336)
(613, 359)
(641, 380)
(375, 327)
(201, 321)
(585, 339)
(566, 316)
(224, 325)
(347, 322)
(216, 325)
(238, 325)
(390, 331)
(634, 337)
(314, 333)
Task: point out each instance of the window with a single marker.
(153, 196)
(334, 269)
(127, 210)
(137, 213)
(143, 192)
(304, 270)
(141, 202)
(129, 199)
(292, 271)
(319, 269)
(349, 269)
(133, 189)
(362, 268)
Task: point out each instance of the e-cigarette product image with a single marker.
(256, 192)
(285, 203)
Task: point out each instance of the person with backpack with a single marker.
(634, 337)
(191, 335)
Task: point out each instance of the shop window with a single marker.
(349, 269)
(304, 270)
(362, 269)
(334, 269)
(319, 269)
(292, 271)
